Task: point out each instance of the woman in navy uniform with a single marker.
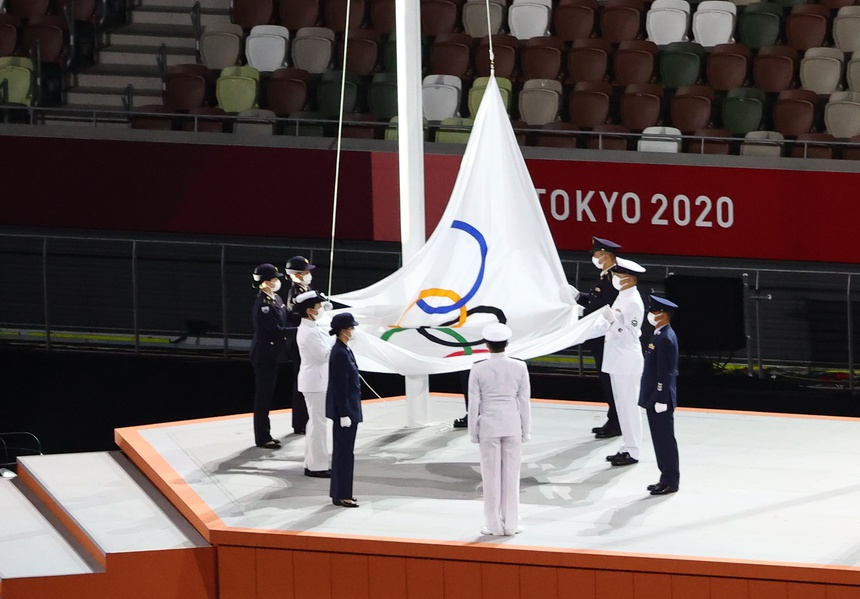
(298, 269)
(343, 407)
(268, 348)
(659, 395)
(603, 253)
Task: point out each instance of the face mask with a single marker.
(319, 313)
(597, 263)
(276, 286)
(617, 283)
(307, 279)
(652, 319)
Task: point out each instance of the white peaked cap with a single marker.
(496, 332)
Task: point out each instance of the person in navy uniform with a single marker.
(298, 269)
(603, 254)
(269, 348)
(343, 407)
(659, 393)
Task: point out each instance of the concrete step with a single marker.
(145, 55)
(109, 98)
(178, 15)
(120, 76)
(147, 34)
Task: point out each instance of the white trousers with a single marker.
(500, 473)
(625, 389)
(316, 450)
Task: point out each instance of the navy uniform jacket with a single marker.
(660, 376)
(602, 294)
(294, 291)
(270, 340)
(343, 396)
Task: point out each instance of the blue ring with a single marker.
(463, 226)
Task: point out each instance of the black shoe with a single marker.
(652, 487)
(597, 429)
(623, 459)
(662, 489)
(299, 431)
(609, 458)
(344, 502)
(270, 444)
(462, 422)
(318, 473)
(607, 433)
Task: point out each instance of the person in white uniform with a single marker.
(314, 348)
(500, 422)
(623, 359)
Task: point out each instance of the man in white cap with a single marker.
(500, 422)
(623, 360)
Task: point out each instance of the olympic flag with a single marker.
(491, 259)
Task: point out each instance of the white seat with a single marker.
(852, 73)
(441, 95)
(660, 139)
(762, 143)
(312, 49)
(475, 17)
(821, 70)
(846, 29)
(220, 45)
(842, 114)
(529, 19)
(714, 23)
(540, 101)
(266, 47)
(668, 21)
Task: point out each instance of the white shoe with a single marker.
(489, 533)
(516, 531)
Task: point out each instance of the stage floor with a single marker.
(755, 488)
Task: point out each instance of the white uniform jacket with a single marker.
(314, 349)
(622, 351)
(499, 398)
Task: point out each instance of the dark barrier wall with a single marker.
(662, 209)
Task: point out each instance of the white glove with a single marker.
(608, 313)
(345, 422)
(660, 407)
(526, 438)
(327, 306)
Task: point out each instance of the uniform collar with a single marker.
(658, 329)
(628, 291)
(497, 355)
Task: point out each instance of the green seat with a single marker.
(476, 94)
(237, 89)
(759, 24)
(742, 110)
(389, 53)
(17, 79)
(382, 96)
(302, 124)
(391, 130)
(454, 130)
(681, 64)
(328, 93)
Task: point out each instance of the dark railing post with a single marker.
(747, 327)
(579, 347)
(45, 292)
(134, 297)
(224, 300)
(850, 337)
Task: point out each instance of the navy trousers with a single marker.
(265, 379)
(605, 383)
(342, 461)
(665, 446)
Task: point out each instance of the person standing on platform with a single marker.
(314, 349)
(622, 358)
(268, 348)
(659, 395)
(343, 407)
(500, 422)
(603, 254)
(463, 377)
(299, 269)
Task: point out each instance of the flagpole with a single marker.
(410, 139)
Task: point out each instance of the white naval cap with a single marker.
(302, 297)
(496, 332)
(625, 266)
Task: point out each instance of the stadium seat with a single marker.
(762, 143)
(450, 54)
(479, 85)
(287, 91)
(52, 35)
(18, 73)
(852, 152)
(760, 24)
(206, 120)
(266, 47)
(540, 101)
(382, 16)
(336, 18)
(440, 97)
(303, 124)
(681, 64)
(609, 137)
(362, 52)
(743, 109)
(298, 14)
(575, 19)
(8, 35)
(814, 145)
(588, 60)
(714, 23)
(774, 68)
(148, 117)
(391, 131)
(691, 108)
(329, 92)
(621, 20)
(454, 130)
(794, 112)
(255, 121)
(505, 50)
(556, 134)
(668, 21)
(727, 66)
(846, 29)
(842, 114)
(382, 96)
(237, 88)
(27, 9)
(220, 45)
(634, 62)
(437, 17)
(312, 49)
(475, 17)
(185, 86)
(806, 26)
(821, 70)
(641, 105)
(247, 14)
(529, 18)
(711, 141)
(660, 139)
(589, 104)
(542, 58)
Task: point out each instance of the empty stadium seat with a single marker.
(588, 60)
(727, 66)
(505, 52)
(149, 117)
(440, 97)
(821, 70)
(852, 73)
(329, 93)
(846, 29)
(312, 49)
(621, 20)
(450, 54)
(589, 104)
(287, 91)
(540, 101)
(185, 86)
(382, 18)
(27, 9)
(542, 58)
(743, 109)
(609, 137)
(794, 112)
(250, 13)
(204, 119)
(760, 24)
(852, 152)
(220, 45)
(691, 108)
(660, 139)
(362, 52)
(266, 47)
(255, 121)
(814, 145)
(575, 19)
(641, 106)
(336, 17)
(806, 26)
(479, 85)
(297, 14)
(842, 114)
(8, 34)
(711, 141)
(774, 68)
(18, 73)
(237, 88)
(668, 21)
(681, 64)
(556, 134)
(714, 23)
(438, 16)
(382, 96)
(475, 17)
(762, 143)
(529, 18)
(454, 130)
(634, 61)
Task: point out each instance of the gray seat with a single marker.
(267, 47)
(312, 49)
(762, 143)
(821, 70)
(842, 114)
(441, 95)
(668, 21)
(475, 17)
(660, 139)
(846, 29)
(220, 45)
(540, 101)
